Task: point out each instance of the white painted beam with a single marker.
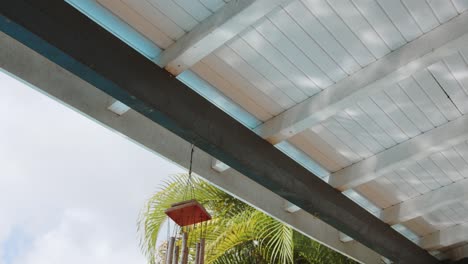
(445, 238)
(396, 66)
(88, 100)
(457, 253)
(213, 32)
(426, 203)
(218, 165)
(402, 155)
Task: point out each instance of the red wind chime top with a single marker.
(188, 213)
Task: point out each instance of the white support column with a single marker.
(402, 155)
(92, 102)
(396, 66)
(426, 203)
(213, 32)
(446, 237)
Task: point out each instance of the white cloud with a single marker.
(70, 187)
(81, 237)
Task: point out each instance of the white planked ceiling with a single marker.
(303, 47)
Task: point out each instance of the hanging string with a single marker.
(191, 159)
(189, 185)
(192, 187)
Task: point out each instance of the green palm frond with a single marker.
(231, 233)
(310, 251)
(246, 253)
(277, 241)
(174, 190)
(237, 232)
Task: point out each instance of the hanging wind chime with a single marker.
(189, 217)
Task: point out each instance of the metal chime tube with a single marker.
(170, 250)
(175, 257)
(184, 248)
(202, 251)
(197, 253)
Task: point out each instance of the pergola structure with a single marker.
(351, 111)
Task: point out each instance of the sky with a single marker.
(70, 189)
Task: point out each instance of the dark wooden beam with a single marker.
(71, 40)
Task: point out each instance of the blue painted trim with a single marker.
(62, 59)
(362, 201)
(302, 158)
(65, 61)
(116, 26)
(213, 95)
(134, 39)
(406, 232)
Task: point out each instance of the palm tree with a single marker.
(237, 233)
